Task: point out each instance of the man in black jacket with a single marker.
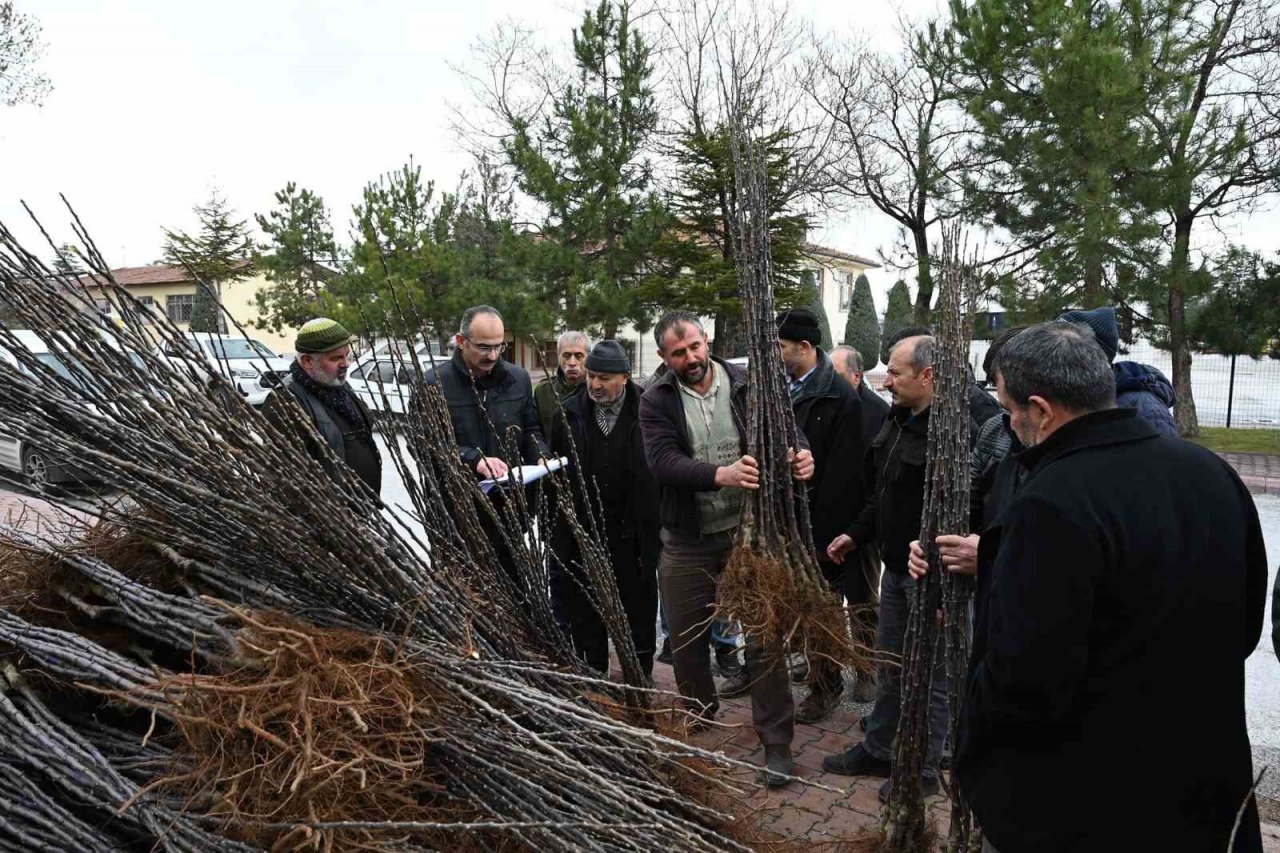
(693, 422)
(891, 517)
(603, 436)
(318, 381)
(849, 364)
(829, 412)
(495, 420)
(506, 432)
(1125, 561)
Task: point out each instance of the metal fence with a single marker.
(1253, 402)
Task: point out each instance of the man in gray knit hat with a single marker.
(603, 427)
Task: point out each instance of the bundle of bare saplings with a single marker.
(243, 648)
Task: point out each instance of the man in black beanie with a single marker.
(603, 427)
(829, 412)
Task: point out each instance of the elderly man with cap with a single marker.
(829, 412)
(603, 427)
(318, 381)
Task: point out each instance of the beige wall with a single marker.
(237, 298)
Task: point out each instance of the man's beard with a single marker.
(604, 399)
(693, 374)
(320, 378)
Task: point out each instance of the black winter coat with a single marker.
(894, 478)
(829, 412)
(1126, 565)
(642, 509)
(507, 395)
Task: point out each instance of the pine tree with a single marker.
(897, 315)
(297, 259)
(585, 164)
(809, 296)
(1241, 314)
(217, 255)
(695, 257)
(1058, 93)
(205, 314)
(862, 330)
(67, 260)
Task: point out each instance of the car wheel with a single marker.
(35, 468)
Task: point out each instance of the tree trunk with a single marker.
(1094, 296)
(730, 340)
(1184, 410)
(924, 266)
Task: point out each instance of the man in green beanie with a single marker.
(318, 381)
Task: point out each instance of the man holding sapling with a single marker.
(692, 420)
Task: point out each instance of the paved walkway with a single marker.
(1260, 471)
(811, 815)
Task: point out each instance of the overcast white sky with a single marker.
(155, 102)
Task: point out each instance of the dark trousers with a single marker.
(638, 589)
(824, 674)
(687, 573)
(895, 607)
(861, 588)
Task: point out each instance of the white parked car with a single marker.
(382, 384)
(250, 365)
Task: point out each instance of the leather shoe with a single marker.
(864, 689)
(665, 656)
(818, 705)
(928, 787)
(856, 761)
(727, 661)
(738, 685)
(778, 766)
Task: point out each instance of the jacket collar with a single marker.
(910, 423)
(819, 382)
(1097, 429)
(737, 376)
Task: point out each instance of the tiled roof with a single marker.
(836, 254)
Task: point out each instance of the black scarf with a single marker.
(337, 397)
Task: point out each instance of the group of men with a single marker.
(1115, 563)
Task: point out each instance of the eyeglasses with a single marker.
(488, 349)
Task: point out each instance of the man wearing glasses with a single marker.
(478, 376)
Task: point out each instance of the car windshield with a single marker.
(230, 348)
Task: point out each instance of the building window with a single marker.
(146, 309)
(178, 306)
(846, 292)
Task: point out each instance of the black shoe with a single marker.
(928, 787)
(800, 672)
(778, 766)
(856, 761)
(738, 685)
(818, 705)
(727, 661)
(664, 656)
(864, 689)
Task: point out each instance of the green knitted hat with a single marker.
(322, 335)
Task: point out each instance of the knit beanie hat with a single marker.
(322, 335)
(1103, 322)
(799, 324)
(608, 357)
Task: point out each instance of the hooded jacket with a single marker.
(1145, 388)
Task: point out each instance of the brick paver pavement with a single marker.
(812, 815)
(1259, 471)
